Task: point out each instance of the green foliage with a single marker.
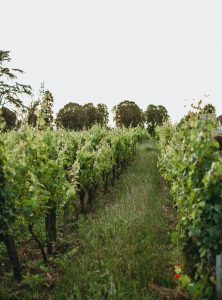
(127, 113)
(197, 289)
(46, 114)
(93, 115)
(33, 109)
(9, 117)
(75, 116)
(164, 134)
(31, 115)
(191, 161)
(72, 116)
(209, 109)
(196, 110)
(36, 172)
(102, 108)
(6, 206)
(10, 89)
(155, 116)
(42, 171)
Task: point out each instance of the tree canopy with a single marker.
(155, 116)
(209, 109)
(32, 117)
(102, 108)
(72, 116)
(127, 113)
(93, 115)
(75, 116)
(9, 117)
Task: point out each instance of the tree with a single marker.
(127, 113)
(93, 115)
(102, 108)
(32, 117)
(72, 116)
(33, 109)
(10, 89)
(209, 109)
(155, 116)
(46, 113)
(9, 117)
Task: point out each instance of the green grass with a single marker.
(126, 243)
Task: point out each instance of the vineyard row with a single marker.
(44, 172)
(191, 162)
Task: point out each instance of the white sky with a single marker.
(149, 51)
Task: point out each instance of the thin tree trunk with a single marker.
(81, 199)
(122, 166)
(91, 196)
(76, 211)
(13, 256)
(65, 214)
(106, 183)
(113, 175)
(48, 235)
(41, 247)
(50, 226)
(53, 216)
(118, 166)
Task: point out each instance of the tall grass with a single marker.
(126, 243)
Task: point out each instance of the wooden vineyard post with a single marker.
(219, 276)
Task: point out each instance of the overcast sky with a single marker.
(149, 51)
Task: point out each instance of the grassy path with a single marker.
(126, 243)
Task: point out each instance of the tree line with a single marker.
(72, 116)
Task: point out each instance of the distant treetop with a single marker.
(127, 113)
(155, 116)
(209, 109)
